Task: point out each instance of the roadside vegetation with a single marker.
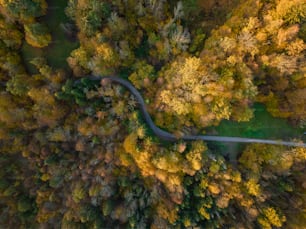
(75, 153)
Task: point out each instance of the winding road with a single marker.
(170, 137)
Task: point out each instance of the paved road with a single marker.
(170, 137)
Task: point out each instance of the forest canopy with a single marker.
(77, 153)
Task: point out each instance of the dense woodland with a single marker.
(78, 154)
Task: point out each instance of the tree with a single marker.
(25, 10)
(37, 35)
(10, 35)
(142, 75)
(89, 15)
(270, 218)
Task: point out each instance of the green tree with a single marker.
(25, 10)
(37, 35)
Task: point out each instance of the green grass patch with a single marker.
(60, 48)
(263, 125)
(28, 53)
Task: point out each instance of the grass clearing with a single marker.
(263, 125)
(60, 48)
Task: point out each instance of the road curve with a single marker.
(170, 137)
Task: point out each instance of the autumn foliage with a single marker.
(77, 153)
